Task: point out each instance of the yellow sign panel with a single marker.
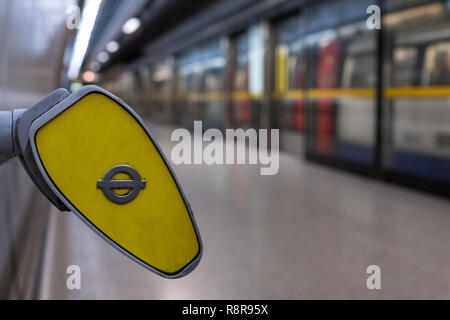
(79, 146)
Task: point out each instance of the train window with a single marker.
(437, 64)
(200, 85)
(359, 71)
(328, 64)
(213, 75)
(404, 66)
(411, 16)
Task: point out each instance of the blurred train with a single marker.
(341, 93)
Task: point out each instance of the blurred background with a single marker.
(364, 119)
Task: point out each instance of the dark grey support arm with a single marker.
(8, 121)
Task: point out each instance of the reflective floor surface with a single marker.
(307, 232)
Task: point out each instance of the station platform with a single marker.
(308, 232)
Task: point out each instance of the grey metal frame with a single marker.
(22, 146)
(67, 103)
(8, 124)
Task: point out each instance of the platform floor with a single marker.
(308, 232)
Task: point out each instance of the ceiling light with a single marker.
(131, 25)
(103, 57)
(112, 46)
(88, 76)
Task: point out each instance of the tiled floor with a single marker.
(308, 232)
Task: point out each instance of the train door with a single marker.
(290, 80)
(356, 112)
(341, 95)
(417, 99)
(327, 77)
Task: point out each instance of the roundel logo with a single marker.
(134, 185)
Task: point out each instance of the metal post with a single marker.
(379, 94)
